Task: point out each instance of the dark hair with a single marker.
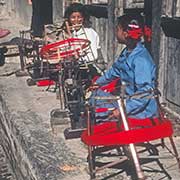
(78, 7)
(127, 22)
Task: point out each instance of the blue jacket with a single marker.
(138, 71)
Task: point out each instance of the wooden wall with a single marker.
(166, 51)
(106, 30)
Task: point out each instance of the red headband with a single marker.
(136, 32)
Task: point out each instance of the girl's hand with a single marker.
(115, 113)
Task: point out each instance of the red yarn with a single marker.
(137, 32)
(109, 134)
(147, 33)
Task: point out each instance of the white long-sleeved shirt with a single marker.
(93, 37)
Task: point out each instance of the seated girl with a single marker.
(134, 67)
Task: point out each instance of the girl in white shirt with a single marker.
(76, 14)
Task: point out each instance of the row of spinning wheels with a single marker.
(58, 64)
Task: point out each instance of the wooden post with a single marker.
(121, 103)
(111, 30)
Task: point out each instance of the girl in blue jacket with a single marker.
(135, 67)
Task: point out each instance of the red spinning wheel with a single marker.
(108, 134)
(65, 48)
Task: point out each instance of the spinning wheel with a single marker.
(64, 49)
(124, 132)
(71, 94)
(72, 89)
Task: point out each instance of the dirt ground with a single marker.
(34, 104)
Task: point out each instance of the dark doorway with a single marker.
(42, 13)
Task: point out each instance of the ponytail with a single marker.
(147, 33)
